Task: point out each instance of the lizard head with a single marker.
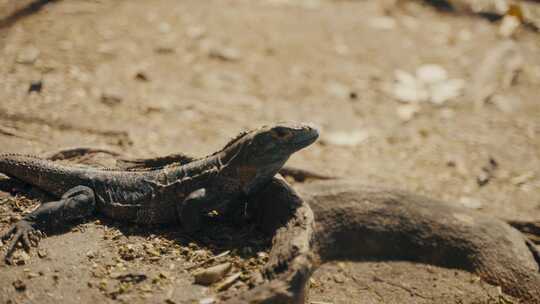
(258, 155)
(276, 143)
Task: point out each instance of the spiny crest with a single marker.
(8, 155)
(236, 138)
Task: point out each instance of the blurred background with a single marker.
(436, 97)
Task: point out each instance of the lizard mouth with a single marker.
(306, 140)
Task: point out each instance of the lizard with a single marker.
(179, 192)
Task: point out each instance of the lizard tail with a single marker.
(44, 174)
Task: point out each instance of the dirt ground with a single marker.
(156, 77)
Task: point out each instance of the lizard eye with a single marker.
(280, 132)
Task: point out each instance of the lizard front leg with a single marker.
(190, 211)
(77, 203)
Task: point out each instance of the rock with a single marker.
(470, 202)
(431, 74)
(21, 258)
(228, 282)
(495, 73)
(19, 285)
(345, 139)
(522, 178)
(42, 253)
(28, 55)
(430, 83)
(212, 274)
(225, 53)
(142, 76)
(207, 301)
(35, 86)
(408, 89)
(339, 278)
(407, 112)
(129, 277)
(446, 90)
(508, 26)
(111, 96)
(505, 103)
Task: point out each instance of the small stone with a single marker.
(407, 112)
(111, 96)
(19, 285)
(225, 53)
(21, 258)
(505, 103)
(522, 179)
(28, 55)
(129, 277)
(339, 278)
(483, 178)
(35, 86)
(212, 274)
(446, 90)
(470, 202)
(141, 76)
(228, 282)
(32, 275)
(431, 73)
(509, 25)
(408, 89)
(496, 72)
(42, 253)
(207, 301)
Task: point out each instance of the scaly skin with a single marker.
(176, 192)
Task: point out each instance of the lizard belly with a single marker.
(140, 204)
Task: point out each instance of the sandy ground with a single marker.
(155, 77)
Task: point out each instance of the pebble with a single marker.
(407, 112)
(212, 274)
(446, 90)
(207, 301)
(338, 278)
(470, 202)
(111, 96)
(522, 178)
(35, 86)
(19, 285)
(431, 74)
(225, 53)
(42, 253)
(228, 282)
(28, 55)
(509, 26)
(496, 72)
(430, 83)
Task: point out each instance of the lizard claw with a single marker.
(24, 232)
